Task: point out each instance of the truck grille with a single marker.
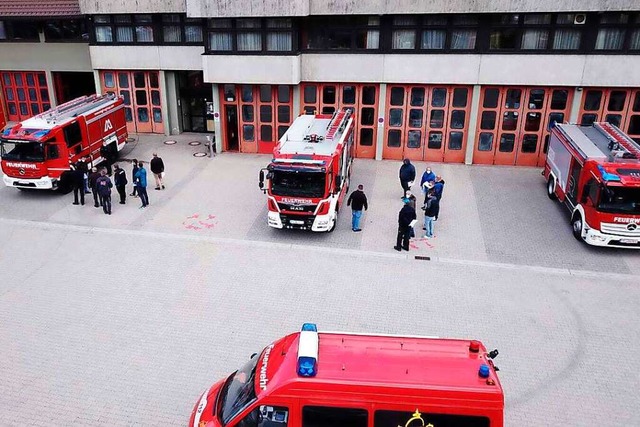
(296, 208)
(291, 221)
(620, 230)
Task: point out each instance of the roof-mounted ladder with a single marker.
(617, 136)
(75, 107)
(338, 122)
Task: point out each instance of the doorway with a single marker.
(231, 127)
(196, 101)
(72, 85)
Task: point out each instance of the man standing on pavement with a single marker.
(357, 200)
(120, 178)
(157, 167)
(407, 176)
(405, 218)
(427, 177)
(438, 187)
(82, 166)
(141, 185)
(431, 211)
(78, 185)
(133, 177)
(104, 190)
(106, 151)
(93, 177)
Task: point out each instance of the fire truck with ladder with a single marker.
(595, 171)
(308, 177)
(38, 151)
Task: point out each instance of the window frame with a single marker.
(9, 30)
(84, 26)
(182, 23)
(263, 29)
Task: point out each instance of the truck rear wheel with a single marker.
(551, 188)
(577, 224)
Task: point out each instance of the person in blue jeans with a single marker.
(141, 185)
(358, 201)
(431, 211)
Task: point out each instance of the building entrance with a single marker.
(196, 102)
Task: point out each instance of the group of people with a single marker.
(99, 182)
(431, 186)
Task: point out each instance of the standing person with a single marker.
(431, 211)
(93, 177)
(439, 187)
(407, 176)
(120, 178)
(104, 185)
(406, 216)
(357, 200)
(82, 166)
(141, 184)
(412, 203)
(78, 185)
(133, 177)
(427, 177)
(107, 154)
(157, 167)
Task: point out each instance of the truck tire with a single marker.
(577, 224)
(551, 187)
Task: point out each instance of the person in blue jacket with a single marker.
(438, 187)
(427, 176)
(407, 176)
(141, 184)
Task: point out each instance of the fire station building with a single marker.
(440, 80)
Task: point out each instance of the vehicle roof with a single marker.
(595, 142)
(298, 138)
(409, 363)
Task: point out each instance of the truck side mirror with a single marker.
(338, 183)
(261, 179)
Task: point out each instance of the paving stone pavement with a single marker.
(123, 320)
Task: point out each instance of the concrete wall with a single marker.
(251, 69)
(45, 57)
(147, 57)
(380, 7)
(238, 8)
(132, 6)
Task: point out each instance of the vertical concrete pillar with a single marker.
(51, 88)
(473, 124)
(174, 124)
(164, 105)
(96, 78)
(382, 100)
(575, 105)
(296, 102)
(217, 117)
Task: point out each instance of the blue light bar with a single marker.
(308, 351)
(608, 176)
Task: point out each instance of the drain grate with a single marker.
(423, 258)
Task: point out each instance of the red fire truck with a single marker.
(595, 171)
(358, 380)
(309, 175)
(36, 152)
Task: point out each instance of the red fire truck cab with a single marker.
(595, 171)
(36, 152)
(311, 379)
(309, 175)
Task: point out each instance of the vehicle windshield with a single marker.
(620, 200)
(22, 151)
(238, 391)
(300, 184)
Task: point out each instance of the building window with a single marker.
(177, 28)
(505, 34)
(124, 29)
(435, 35)
(610, 34)
(19, 30)
(535, 33)
(67, 30)
(404, 33)
(567, 35)
(220, 35)
(464, 38)
(341, 33)
(251, 35)
(279, 35)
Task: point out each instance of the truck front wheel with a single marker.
(551, 188)
(577, 224)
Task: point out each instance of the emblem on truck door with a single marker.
(107, 125)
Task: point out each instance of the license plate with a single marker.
(629, 241)
(295, 221)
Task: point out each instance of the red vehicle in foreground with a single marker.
(595, 171)
(36, 152)
(309, 175)
(311, 379)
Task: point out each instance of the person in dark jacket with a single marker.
(405, 217)
(83, 167)
(93, 177)
(412, 203)
(120, 178)
(358, 201)
(431, 211)
(439, 187)
(157, 168)
(78, 185)
(106, 152)
(133, 177)
(407, 176)
(104, 185)
(141, 184)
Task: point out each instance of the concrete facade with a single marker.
(45, 57)
(239, 8)
(251, 69)
(90, 7)
(147, 57)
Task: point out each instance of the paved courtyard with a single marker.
(124, 319)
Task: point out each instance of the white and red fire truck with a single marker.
(308, 178)
(595, 171)
(36, 152)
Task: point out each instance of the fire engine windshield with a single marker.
(22, 151)
(620, 200)
(238, 391)
(295, 183)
